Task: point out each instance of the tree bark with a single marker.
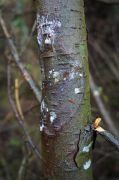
(65, 106)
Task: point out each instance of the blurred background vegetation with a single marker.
(103, 45)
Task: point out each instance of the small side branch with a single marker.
(101, 106)
(17, 60)
(107, 135)
(17, 98)
(110, 1)
(19, 119)
(23, 48)
(22, 168)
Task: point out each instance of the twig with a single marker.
(109, 1)
(31, 108)
(107, 135)
(29, 37)
(6, 128)
(17, 60)
(22, 167)
(105, 56)
(19, 119)
(18, 105)
(6, 168)
(101, 107)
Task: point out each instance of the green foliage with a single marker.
(14, 142)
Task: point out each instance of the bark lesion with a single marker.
(84, 146)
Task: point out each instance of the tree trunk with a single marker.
(65, 106)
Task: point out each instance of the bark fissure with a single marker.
(77, 150)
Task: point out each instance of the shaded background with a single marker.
(102, 20)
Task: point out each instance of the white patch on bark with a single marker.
(87, 148)
(44, 106)
(87, 164)
(77, 90)
(56, 76)
(56, 80)
(42, 127)
(53, 116)
(51, 71)
(48, 41)
(81, 75)
(46, 28)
